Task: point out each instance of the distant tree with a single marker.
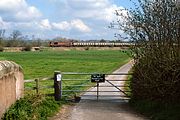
(16, 34)
(15, 39)
(118, 41)
(2, 32)
(37, 43)
(27, 47)
(102, 41)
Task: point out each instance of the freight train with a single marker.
(89, 44)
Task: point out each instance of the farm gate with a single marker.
(91, 85)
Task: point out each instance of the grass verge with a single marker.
(157, 111)
(32, 107)
(154, 110)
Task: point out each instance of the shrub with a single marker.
(154, 29)
(31, 107)
(27, 48)
(157, 52)
(1, 49)
(87, 48)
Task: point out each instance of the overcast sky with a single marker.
(79, 19)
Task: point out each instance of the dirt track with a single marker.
(104, 108)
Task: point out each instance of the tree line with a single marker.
(17, 39)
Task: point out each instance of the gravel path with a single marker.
(105, 108)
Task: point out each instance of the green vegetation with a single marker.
(32, 107)
(127, 84)
(43, 64)
(1, 49)
(156, 80)
(157, 111)
(17, 39)
(154, 110)
(27, 48)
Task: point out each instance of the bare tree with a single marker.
(16, 34)
(15, 39)
(2, 32)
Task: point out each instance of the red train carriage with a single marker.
(60, 44)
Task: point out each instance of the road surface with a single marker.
(106, 108)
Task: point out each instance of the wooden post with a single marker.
(97, 91)
(37, 85)
(57, 86)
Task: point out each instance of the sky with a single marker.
(48, 19)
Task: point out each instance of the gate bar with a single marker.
(105, 95)
(89, 91)
(92, 86)
(76, 73)
(88, 80)
(76, 79)
(117, 87)
(99, 95)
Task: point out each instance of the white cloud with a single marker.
(89, 9)
(73, 17)
(93, 9)
(18, 10)
(45, 24)
(75, 24)
(28, 14)
(79, 25)
(3, 24)
(62, 25)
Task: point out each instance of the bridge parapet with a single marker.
(11, 84)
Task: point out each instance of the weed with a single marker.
(32, 107)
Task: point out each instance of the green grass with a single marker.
(127, 83)
(43, 64)
(32, 107)
(157, 111)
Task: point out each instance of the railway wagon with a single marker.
(89, 44)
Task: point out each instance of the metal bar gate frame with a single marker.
(61, 88)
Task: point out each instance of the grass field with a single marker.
(43, 64)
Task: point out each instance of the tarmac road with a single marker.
(106, 108)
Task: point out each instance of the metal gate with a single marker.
(93, 85)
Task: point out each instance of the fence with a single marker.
(37, 86)
(103, 86)
(71, 84)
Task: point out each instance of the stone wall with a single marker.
(11, 84)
